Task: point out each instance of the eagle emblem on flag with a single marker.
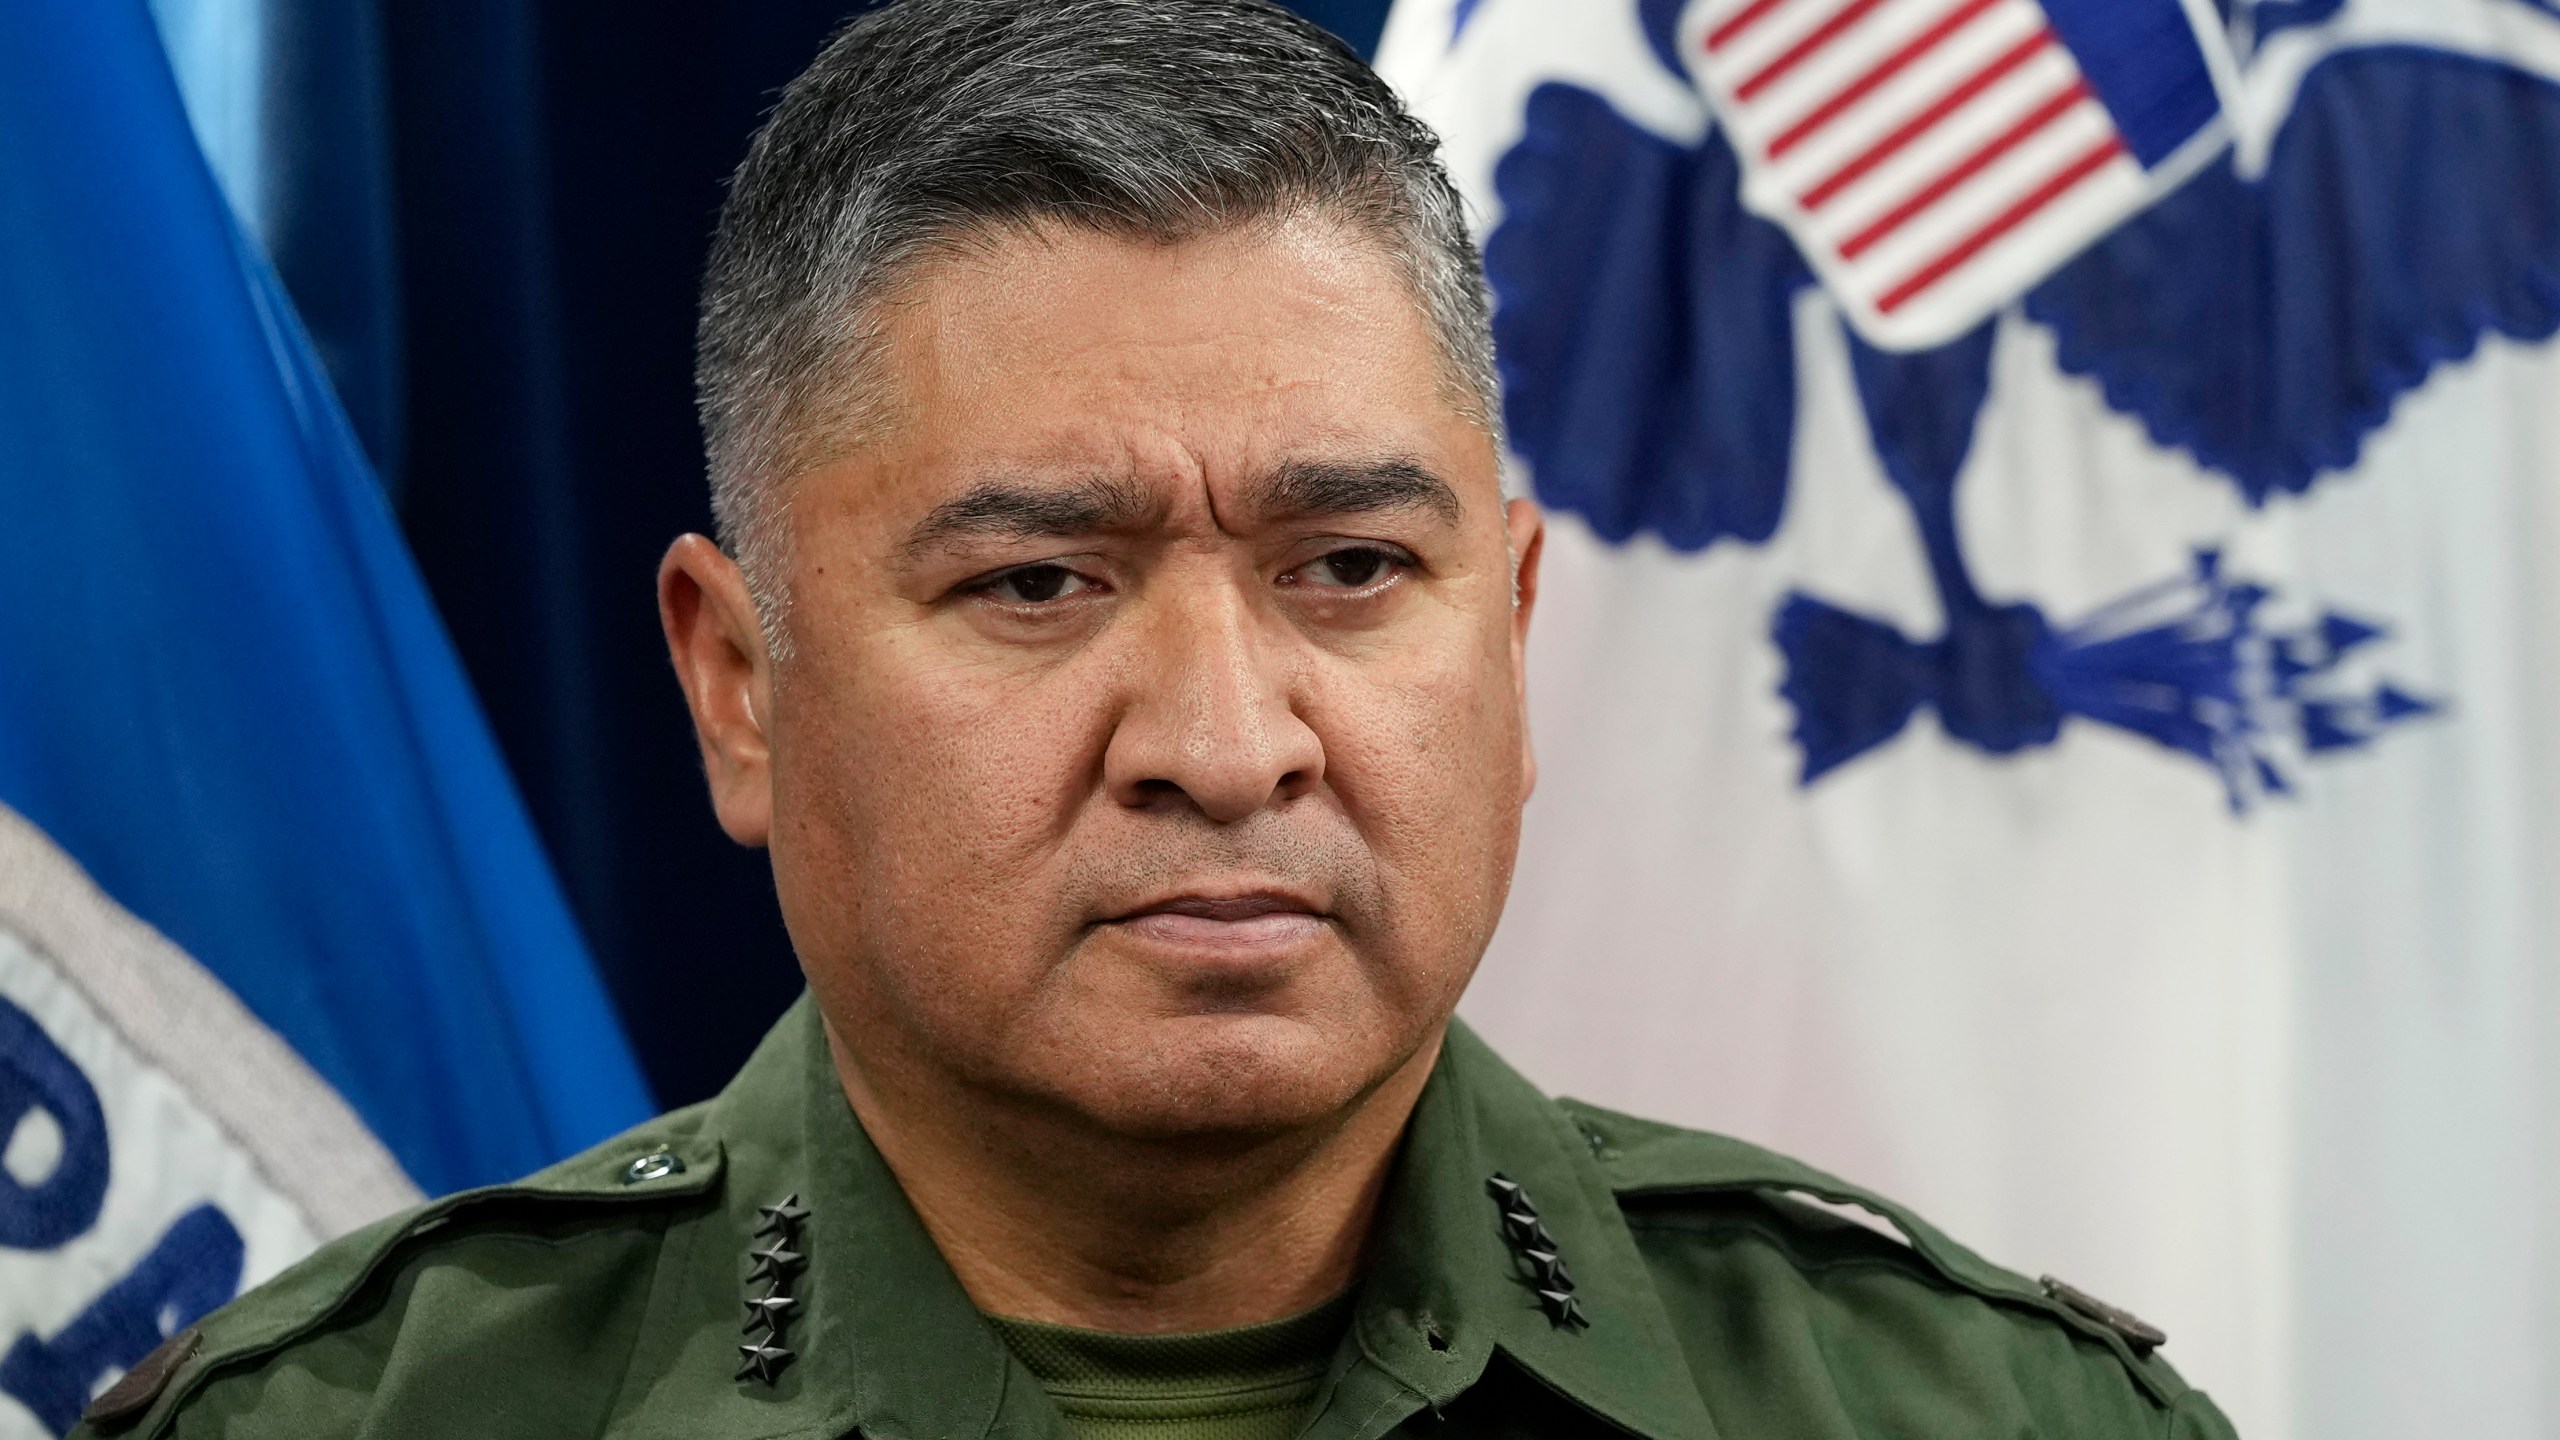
(2250, 228)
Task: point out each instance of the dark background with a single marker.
(495, 218)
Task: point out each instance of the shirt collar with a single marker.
(1440, 1263)
(888, 1342)
(888, 1328)
(883, 1341)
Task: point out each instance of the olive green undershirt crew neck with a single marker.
(1250, 1383)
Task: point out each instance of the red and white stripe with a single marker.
(1931, 157)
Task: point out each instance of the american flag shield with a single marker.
(1935, 158)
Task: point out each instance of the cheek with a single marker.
(1425, 754)
(933, 800)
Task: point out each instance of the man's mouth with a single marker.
(1256, 920)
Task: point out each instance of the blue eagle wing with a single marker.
(2410, 206)
(1643, 319)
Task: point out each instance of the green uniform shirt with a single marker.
(1689, 1296)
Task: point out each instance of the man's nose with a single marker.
(1210, 719)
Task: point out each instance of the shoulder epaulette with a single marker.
(669, 1159)
(1646, 1158)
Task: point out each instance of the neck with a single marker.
(1046, 1219)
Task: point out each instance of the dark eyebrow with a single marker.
(1308, 488)
(1019, 512)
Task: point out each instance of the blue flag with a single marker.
(278, 946)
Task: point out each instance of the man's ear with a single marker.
(717, 644)
(1528, 535)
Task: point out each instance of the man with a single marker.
(1116, 641)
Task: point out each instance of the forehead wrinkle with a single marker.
(1021, 510)
(1309, 488)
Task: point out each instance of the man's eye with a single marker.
(1352, 568)
(1035, 585)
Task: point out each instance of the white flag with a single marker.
(2093, 773)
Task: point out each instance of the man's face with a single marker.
(1151, 746)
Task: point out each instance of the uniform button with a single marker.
(655, 1165)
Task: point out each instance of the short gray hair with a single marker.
(932, 122)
